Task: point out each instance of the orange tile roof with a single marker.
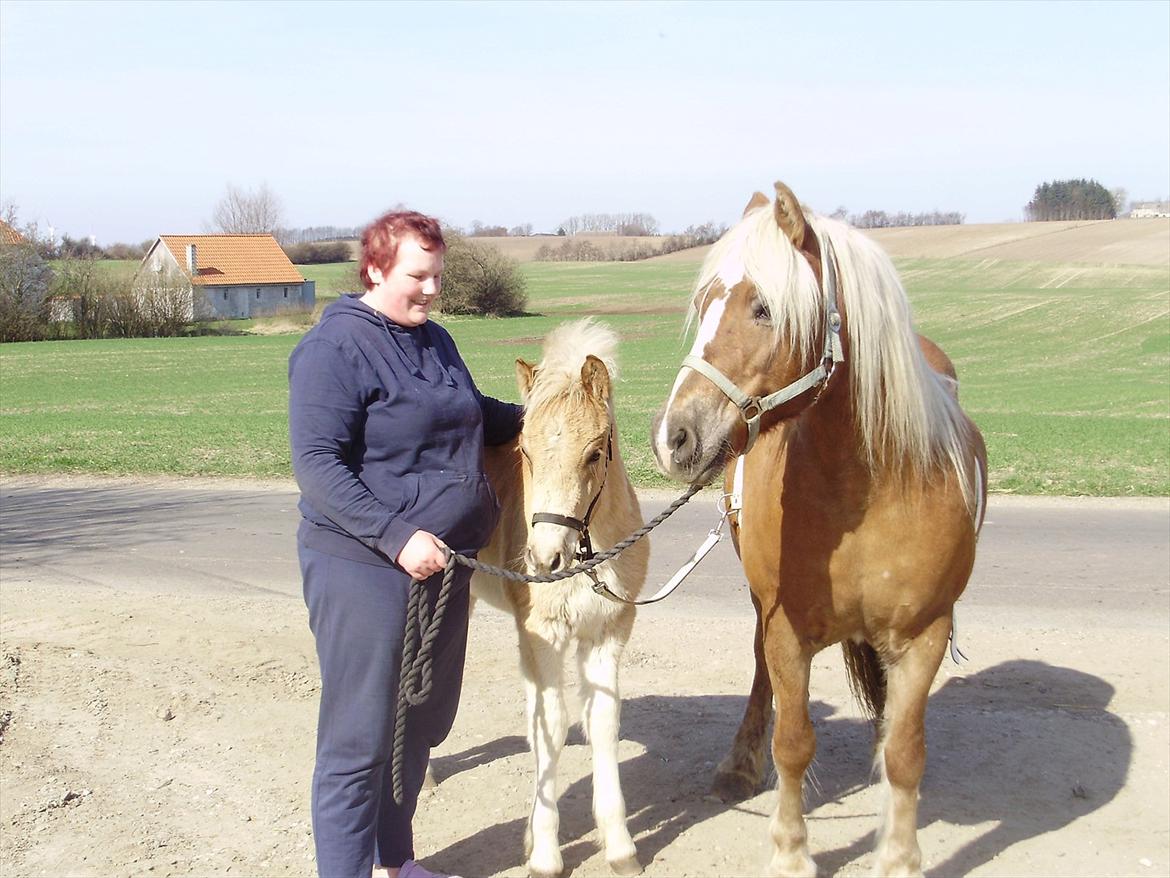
(9, 235)
(234, 259)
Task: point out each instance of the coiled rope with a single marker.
(423, 623)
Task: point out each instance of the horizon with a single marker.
(124, 127)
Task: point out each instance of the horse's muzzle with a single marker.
(551, 548)
(682, 447)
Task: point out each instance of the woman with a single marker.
(387, 431)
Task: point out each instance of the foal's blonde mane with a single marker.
(904, 409)
(565, 348)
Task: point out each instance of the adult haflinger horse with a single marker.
(861, 500)
(563, 486)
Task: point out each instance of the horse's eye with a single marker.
(760, 312)
(595, 456)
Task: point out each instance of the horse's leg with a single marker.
(542, 665)
(598, 663)
(741, 772)
(793, 745)
(902, 755)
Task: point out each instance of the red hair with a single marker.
(381, 238)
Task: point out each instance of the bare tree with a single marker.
(24, 285)
(1120, 200)
(246, 211)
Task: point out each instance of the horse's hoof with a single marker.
(546, 864)
(429, 779)
(626, 866)
(794, 866)
(732, 786)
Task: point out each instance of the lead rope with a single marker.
(422, 624)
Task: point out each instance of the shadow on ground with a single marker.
(48, 524)
(1025, 745)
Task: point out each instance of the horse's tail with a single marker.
(867, 679)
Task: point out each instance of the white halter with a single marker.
(753, 408)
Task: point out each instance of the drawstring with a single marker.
(422, 345)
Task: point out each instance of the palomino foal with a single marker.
(567, 464)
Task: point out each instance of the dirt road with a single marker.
(158, 696)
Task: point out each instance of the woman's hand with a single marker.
(422, 556)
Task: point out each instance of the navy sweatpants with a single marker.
(357, 613)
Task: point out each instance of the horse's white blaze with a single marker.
(708, 329)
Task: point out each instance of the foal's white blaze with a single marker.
(707, 331)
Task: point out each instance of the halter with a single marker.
(585, 544)
(753, 408)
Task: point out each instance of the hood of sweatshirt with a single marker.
(414, 345)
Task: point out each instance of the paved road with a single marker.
(1082, 558)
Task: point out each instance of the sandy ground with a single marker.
(147, 733)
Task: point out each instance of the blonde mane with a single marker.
(564, 353)
(904, 409)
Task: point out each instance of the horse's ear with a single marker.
(759, 199)
(525, 375)
(595, 377)
(789, 216)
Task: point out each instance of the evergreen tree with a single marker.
(1071, 200)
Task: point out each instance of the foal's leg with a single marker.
(793, 745)
(542, 665)
(598, 663)
(742, 770)
(902, 754)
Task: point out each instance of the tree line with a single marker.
(1072, 200)
(573, 249)
(67, 247)
(880, 219)
(626, 224)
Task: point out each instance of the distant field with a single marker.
(1065, 367)
(1066, 370)
(1103, 242)
(332, 279)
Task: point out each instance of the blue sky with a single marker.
(128, 120)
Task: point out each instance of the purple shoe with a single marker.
(411, 869)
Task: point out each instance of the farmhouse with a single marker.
(1149, 209)
(231, 276)
(10, 236)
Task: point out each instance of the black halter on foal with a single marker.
(585, 544)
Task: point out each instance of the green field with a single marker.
(332, 279)
(1067, 373)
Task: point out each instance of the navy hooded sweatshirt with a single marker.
(387, 431)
